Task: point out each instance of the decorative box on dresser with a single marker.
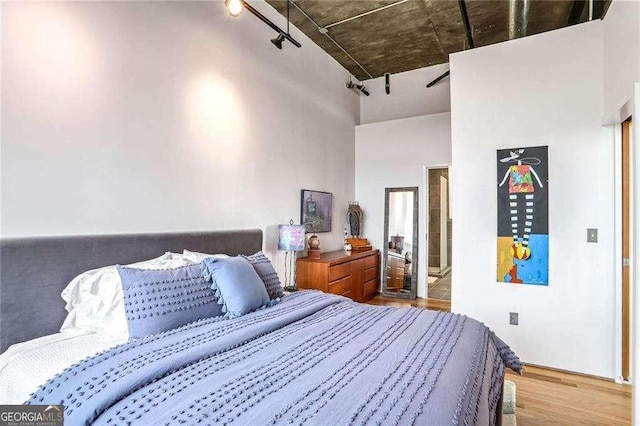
(351, 274)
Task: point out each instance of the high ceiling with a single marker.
(410, 34)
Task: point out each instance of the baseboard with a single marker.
(575, 373)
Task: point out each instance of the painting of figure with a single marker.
(315, 210)
(523, 216)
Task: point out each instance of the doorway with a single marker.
(439, 233)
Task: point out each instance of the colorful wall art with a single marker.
(523, 216)
(291, 237)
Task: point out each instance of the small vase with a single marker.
(314, 242)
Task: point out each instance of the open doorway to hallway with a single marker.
(439, 233)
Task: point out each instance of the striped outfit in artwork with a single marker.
(521, 191)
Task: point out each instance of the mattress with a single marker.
(312, 359)
(24, 367)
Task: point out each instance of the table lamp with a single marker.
(290, 240)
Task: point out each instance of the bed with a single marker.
(310, 359)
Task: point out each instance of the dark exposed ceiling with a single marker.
(411, 34)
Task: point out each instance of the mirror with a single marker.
(401, 242)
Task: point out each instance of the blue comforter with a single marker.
(312, 359)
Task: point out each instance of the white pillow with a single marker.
(195, 257)
(95, 300)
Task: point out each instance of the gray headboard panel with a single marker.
(34, 271)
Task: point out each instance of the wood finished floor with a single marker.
(548, 397)
(433, 304)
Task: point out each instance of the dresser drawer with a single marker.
(341, 286)
(371, 261)
(370, 274)
(371, 286)
(339, 271)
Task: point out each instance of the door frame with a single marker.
(617, 251)
(625, 248)
(625, 112)
(635, 247)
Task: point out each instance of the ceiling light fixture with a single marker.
(277, 42)
(360, 87)
(235, 8)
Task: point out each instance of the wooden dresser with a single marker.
(351, 274)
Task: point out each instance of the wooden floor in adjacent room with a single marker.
(548, 397)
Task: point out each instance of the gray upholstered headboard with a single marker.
(34, 271)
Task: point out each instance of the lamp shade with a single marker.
(291, 237)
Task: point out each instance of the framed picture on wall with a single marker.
(523, 215)
(315, 210)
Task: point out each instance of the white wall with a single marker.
(409, 95)
(166, 116)
(621, 38)
(540, 90)
(393, 154)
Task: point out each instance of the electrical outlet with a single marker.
(513, 318)
(592, 235)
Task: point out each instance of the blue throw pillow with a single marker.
(161, 300)
(267, 274)
(236, 285)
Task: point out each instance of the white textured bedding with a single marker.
(24, 367)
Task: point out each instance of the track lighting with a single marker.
(359, 87)
(277, 42)
(234, 7)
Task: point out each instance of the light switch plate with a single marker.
(592, 235)
(513, 318)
